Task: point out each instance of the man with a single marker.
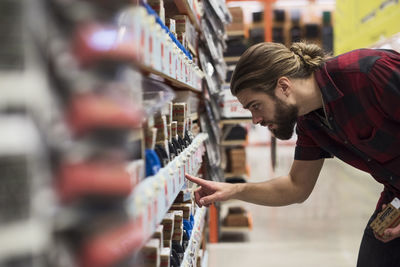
(347, 106)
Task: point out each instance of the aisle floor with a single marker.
(325, 230)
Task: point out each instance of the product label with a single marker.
(396, 203)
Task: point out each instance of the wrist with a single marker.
(238, 190)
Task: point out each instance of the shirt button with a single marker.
(368, 159)
(391, 177)
(346, 142)
(330, 118)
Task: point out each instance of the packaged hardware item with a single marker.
(387, 218)
(158, 234)
(178, 226)
(171, 24)
(168, 223)
(160, 122)
(179, 115)
(151, 252)
(185, 207)
(175, 140)
(165, 257)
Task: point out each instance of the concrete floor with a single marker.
(324, 231)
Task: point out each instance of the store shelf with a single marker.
(125, 50)
(225, 229)
(147, 206)
(234, 121)
(161, 190)
(176, 83)
(184, 8)
(235, 33)
(234, 143)
(190, 256)
(192, 49)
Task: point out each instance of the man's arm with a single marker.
(285, 190)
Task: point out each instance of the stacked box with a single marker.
(160, 122)
(179, 115)
(190, 98)
(231, 107)
(158, 6)
(185, 27)
(237, 19)
(158, 234)
(185, 207)
(150, 137)
(165, 257)
(237, 220)
(168, 223)
(237, 217)
(181, 36)
(178, 226)
(151, 253)
(237, 160)
(171, 24)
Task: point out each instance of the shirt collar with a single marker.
(328, 88)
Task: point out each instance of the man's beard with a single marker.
(285, 119)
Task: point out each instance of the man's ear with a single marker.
(283, 86)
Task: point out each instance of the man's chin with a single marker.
(282, 136)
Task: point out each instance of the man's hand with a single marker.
(390, 233)
(210, 192)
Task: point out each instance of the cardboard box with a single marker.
(151, 253)
(237, 14)
(236, 220)
(387, 218)
(168, 223)
(158, 234)
(171, 24)
(186, 208)
(165, 257)
(158, 6)
(160, 122)
(234, 27)
(231, 107)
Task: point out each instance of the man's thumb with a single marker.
(207, 200)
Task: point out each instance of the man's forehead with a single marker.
(246, 96)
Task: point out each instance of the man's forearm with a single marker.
(276, 192)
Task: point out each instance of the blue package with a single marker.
(153, 164)
(188, 226)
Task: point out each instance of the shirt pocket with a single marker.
(378, 144)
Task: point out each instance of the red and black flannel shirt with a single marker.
(361, 92)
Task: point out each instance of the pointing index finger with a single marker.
(196, 180)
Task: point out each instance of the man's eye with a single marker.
(256, 106)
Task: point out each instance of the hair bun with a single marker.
(311, 55)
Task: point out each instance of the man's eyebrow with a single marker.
(249, 104)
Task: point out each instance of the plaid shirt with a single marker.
(361, 94)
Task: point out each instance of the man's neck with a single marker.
(309, 96)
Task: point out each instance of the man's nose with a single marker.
(256, 119)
